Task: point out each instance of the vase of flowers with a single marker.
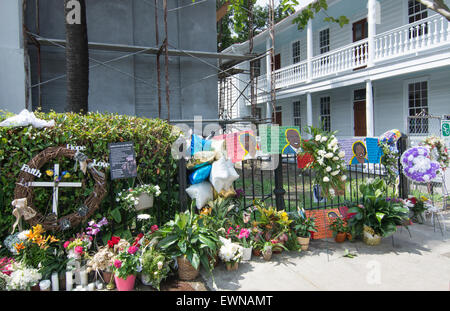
(303, 227)
(231, 253)
(23, 278)
(139, 198)
(126, 266)
(155, 267)
(243, 236)
(267, 251)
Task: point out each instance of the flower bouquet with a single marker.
(155, 267)
(328, 162)
(231, 253)
(139, 198)
(22, 278)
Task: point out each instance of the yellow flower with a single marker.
(424, 198)
(49, 173)
(38, 230)
(53, 239)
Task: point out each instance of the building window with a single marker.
(325, 113)
(297, 114)
(324, 39)
(416, 12)
(296, 52)
(418, 105)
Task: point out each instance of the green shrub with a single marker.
(152, 141)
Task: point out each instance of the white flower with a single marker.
(328, 169)
(160, 265)
(343, 177)
(332, 192)
(334, 173)
(320, 161)
(335, 158)
(22, 235)
(318, 137)
(143, 216)
(321, 152)
(329, 155)
(326, 179)
(324, 138)
(341, 154)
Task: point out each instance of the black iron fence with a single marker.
(289, 187)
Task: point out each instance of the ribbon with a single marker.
(21, 209)
(82, 158)
(95, 171)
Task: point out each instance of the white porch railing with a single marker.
(424, 34)
(346, 58)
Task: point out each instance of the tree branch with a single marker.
(438, 6)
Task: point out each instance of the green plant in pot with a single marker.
(340, 229)
(155, 267)
(190, 241)
(302, 226)
(376, 216)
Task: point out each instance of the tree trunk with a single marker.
(77, 56)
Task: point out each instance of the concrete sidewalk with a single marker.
(420, 262)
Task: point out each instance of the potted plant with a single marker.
(303, 226)
(267, 250)
(376, 216)
(231, 253)
(339, 228)
(125, 267)
(22, 278)
(189, 240)
(244, 237)
(155, 267)
(139, 198)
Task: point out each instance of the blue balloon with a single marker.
(200, 174)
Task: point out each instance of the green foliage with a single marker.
(375, 211)
(152, 141)
(156, 266)
(338, 225)
(129, 263)
(302, 226)
(188, 236)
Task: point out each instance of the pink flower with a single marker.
(117, 263)
(132, 250)
(78, 249)
(154, 228)
(66, 244)
(245, 233)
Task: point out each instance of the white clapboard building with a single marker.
(391, 61)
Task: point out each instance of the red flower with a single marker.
(154, 228)
(140, 236)
(413, 200)
(114, 240)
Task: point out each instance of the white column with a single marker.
(369, 110)
(268, 79)
(12, 77)
(309, 114)
(371, 21)
(310, 48)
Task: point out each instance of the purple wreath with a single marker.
(418, 166)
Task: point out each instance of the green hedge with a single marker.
(152, 141)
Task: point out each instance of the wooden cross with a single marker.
(55, 185)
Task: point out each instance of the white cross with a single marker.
(55, 185)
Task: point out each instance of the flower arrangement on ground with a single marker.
(188, 238)
(328, 160)
(37, 250)
(340, 229)
(125, 267)
(155, 267)
(376, 212)
(230, 253)
(77, 248)
(22, 277)
(130, 198)
(417, 206)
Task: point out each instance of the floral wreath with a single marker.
(418, 166)
(439, 151)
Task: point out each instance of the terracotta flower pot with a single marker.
(340, 237)
(186, 272)
(232, 266)
(304, 242)
(125, 285)
(256, 252)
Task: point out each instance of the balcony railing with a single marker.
(425, 34)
